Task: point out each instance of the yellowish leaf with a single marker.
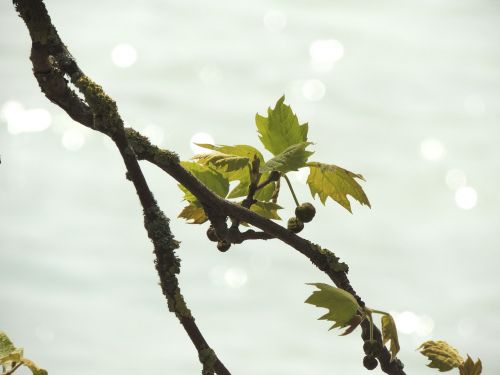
(269, 210)
(328, 180)
(442, 355)
(225, 162)
(471, 368)
(194, 214)
(342, 306)
(390, 333)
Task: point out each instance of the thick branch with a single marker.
(52, 63)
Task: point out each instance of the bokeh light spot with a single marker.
(124, 55)
(274, 21)
(235, 277)
(325, 53)
(20, 120)
(466, 197)
(407, 322)
(432, 149)
(155, 134)
(313, 90)
(73, 139)
(10, 109)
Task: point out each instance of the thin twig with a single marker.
(235, 236)
(13, 369)
(276, 192)
(273, 176)
(291, 189)
(252, 188)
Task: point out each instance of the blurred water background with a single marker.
(405, 92)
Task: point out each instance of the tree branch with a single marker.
(54, 67)
(235, 236)
(51, 64)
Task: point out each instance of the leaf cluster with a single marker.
(345, 312)
(445, 357)
(281, 133)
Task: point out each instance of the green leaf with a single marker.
(194, 214)
(213, 180)
(328, 180)
(269, 210)
(342, 306)
(209, 177)
(242, 175)
(10, 355)
(244, 151)
(224, 162)
(442, 355)
(291, 159)
(266, 193)
(241, 190)
(471, 368)
(390, 333)
(280, 129)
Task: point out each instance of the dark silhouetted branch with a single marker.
(53, 66)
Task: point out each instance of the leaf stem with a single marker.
(253, 170)
(378, 312)
(291, 189)
(276, 192)
(370, 318)
(273, 176)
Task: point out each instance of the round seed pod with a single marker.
(372, 347)
(223, 246)
(370, 362)
(212, 235)
(295, 225)
(305, 212)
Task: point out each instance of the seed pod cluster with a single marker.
(303, 214)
